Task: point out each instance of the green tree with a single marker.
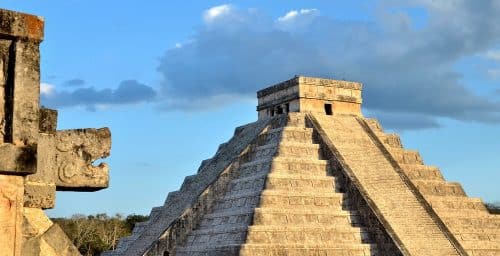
(94, 234)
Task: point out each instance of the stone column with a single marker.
(35, 158)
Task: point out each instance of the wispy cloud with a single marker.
(76, 82)
(406, 71)
(293, 14)
(215, 12)
(493, 55)
(128, 92)
(46, 89)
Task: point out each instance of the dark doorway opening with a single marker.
(166, 253)
(287, 107)
(279, 110)
(328, 109)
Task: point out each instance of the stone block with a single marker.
(35, 222)
(48, 120)
(21, 25)
(56, 239)
(26, 93)
(39, 195)
(11, 205)
(77, 150)
(17, 160)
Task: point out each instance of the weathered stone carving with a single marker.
(314, 177)
(76, 151)
(35, 158)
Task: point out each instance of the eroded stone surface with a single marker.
(11, 193)
(35, 158)
(321, 182)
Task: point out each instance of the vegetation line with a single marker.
(94, 234)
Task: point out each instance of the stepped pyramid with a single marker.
(312, 176)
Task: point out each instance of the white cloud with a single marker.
(493, 55)
(294, 14)
(215, 12)
(290, 15)
(406, 71)
(127, 92)
(46, 89)
(297, 20)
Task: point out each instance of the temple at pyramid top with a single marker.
(310, 94)
(312, 176)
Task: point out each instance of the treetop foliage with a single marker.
(94, 234)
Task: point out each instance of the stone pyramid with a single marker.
(312, 176)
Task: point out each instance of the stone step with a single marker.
(471, 214)
(457, 203)
(221, 235)
(462, 224)
(484, 252)
(324, 235)
(413, 225)
(283, 181)
(439, 188)
(124, 242)
(444, 212)
(484, 235)
(422, 172)
(155, 211)
(291, 134)
(347, 137)
(282, 198)
(298, 249)
(229, 217)
(303, 249)
(237, 200)
(404, 156)
(139, 227)
(331, 201)
(480, 244)
(253, 167)
(300, 166)
(286, 165)
(248, 182)
(480, 240)
(374, 124)
(230, 249)
(299, 183)
(391, 140)
(288, 149)
(296, 119)
(298, 216)
(468, 230)
(291, 119)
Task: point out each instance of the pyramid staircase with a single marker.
(313, 177)
(282, 195)
(467, 218)
(283, 202)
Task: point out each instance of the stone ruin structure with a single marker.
(312, 176)
(36, 160)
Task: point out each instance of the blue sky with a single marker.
(172, 79)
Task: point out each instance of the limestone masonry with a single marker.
(312, 176)
(36, 160)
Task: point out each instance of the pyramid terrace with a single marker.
(312, 176)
